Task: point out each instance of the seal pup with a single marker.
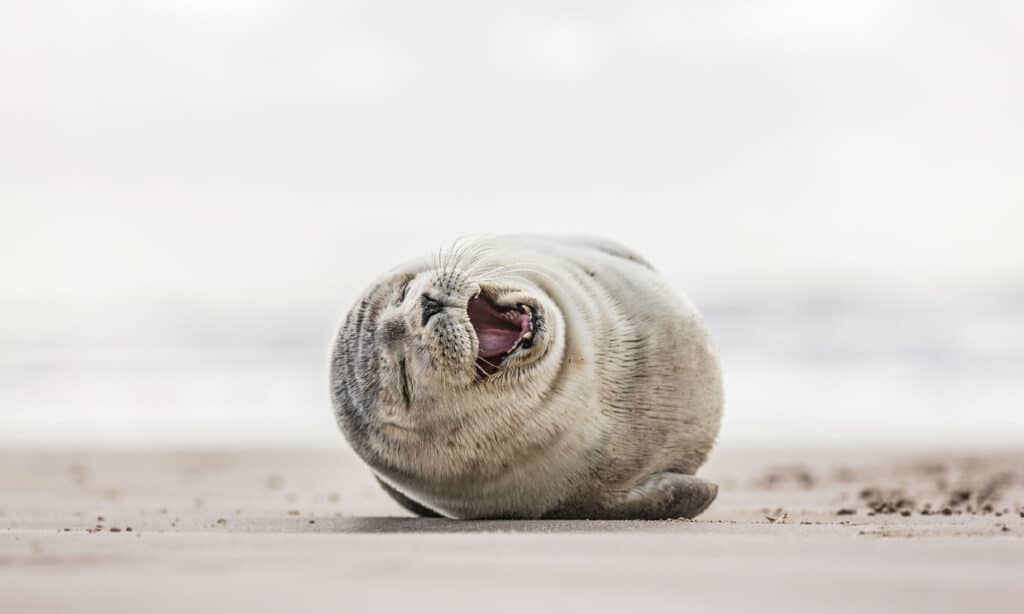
(530, 377)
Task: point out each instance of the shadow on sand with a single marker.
(385, 524)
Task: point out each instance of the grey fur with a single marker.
(609, 415)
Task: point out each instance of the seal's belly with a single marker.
(523, 489)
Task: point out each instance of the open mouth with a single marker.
(499, 331)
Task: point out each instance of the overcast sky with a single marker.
(193, 192)
(291, 150)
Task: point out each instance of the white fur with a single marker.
(623, 384)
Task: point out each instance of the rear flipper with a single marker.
(663, 496)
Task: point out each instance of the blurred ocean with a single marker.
(191, 193)
(838, 367)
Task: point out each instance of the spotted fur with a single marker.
(621, 384)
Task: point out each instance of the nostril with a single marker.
(430, 308)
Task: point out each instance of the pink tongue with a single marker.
(496, 341)
(497, 332)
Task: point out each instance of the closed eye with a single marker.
(403, 290)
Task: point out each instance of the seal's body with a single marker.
(530, 377)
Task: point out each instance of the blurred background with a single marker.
(194, 192)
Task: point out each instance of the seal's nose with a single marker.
(431, 307)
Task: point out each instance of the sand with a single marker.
(291, 530)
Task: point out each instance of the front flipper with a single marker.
(414, 507)
(663, 496)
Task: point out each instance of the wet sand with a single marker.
(279, 530)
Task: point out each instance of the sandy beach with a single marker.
(292, 530)
(195, 196)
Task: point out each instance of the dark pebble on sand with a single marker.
(960, 496)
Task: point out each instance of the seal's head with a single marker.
(426, 343)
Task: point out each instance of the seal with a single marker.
(530, 377)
